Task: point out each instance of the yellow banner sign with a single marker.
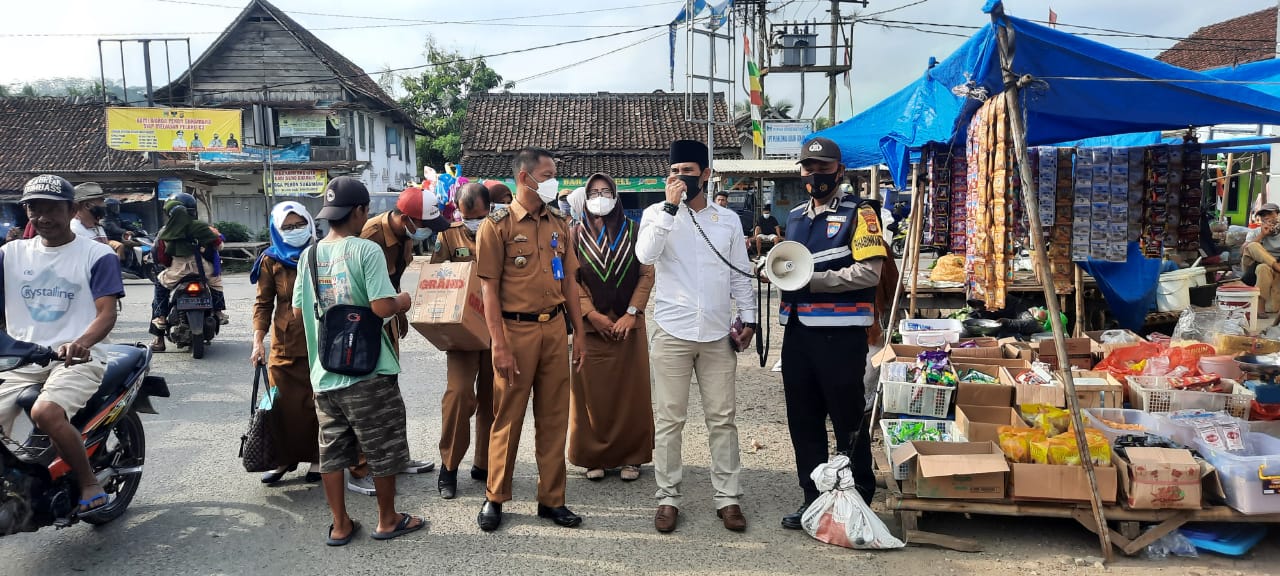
(173, 129)
(295, 182)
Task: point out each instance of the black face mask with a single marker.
(98, 212)
(820, 185)
(692, 186)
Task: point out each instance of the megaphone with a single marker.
(789, 265)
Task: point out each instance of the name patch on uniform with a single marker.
(462, 253)
(833, 227)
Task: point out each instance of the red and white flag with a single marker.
(1053, 19)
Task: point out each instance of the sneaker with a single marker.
(418, 467)
(361, 485)
(223, 319)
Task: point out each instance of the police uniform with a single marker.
(516, 247)
(824, 345)
(470, 382)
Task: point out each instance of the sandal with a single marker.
(630, 473)
(595, 474)
(331, 541)
(86, 506)
(402, 528)
(157, 345)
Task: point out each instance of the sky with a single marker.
(56, 38)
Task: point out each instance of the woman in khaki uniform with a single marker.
(293, 415)
(611, 416)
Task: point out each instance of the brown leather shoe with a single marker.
(733, 518)
(665, 519)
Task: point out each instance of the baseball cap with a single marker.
(89, 191)
(422, 205)
(1268, 207)
(342, 195)
(48, 187)
(821, 149)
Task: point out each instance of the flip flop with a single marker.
(86, 506)
(402, 528)
(331, 541)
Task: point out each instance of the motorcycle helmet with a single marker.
(113, 206)
(181, 200)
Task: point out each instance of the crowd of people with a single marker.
(614, 397)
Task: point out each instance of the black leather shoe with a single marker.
(273, 476)
(490, 516)
(479, 474)
(561, 515)
(447, 483)
(792, 521)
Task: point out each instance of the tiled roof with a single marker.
(1240, 40)
(350, 75)
(586, 123)
(55, 134)
(573, 165)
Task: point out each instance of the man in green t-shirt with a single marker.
(357, 414)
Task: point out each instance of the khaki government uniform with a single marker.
(514, 247)
(399, 254)
(293, 415)
(470, 386)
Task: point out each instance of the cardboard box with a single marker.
(1077, 362)
(1107, 393)
(447, 307)
(963, 470)
(979, 423)
(984, 347)
(1015, 349)
(1159, 478)
(1075, 347)
(1060, 483)
(1104, 349)
(972, 394)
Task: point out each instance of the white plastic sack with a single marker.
(839, 516)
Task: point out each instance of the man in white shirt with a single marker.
(700, 265)
(90, 210)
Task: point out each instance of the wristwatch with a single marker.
(670, 208)
(632, 310)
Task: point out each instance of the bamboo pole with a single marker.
(1078, 286)
(917, 235)
(1012, 94)
(893, 311)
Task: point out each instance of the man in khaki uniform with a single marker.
(470, 386)
(529, 277)
(415, 216)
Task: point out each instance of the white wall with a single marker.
(385, 174)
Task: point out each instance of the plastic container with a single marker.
(1183, 431)
(930, 332)
(945, 427)
(1224, 366)
(1174, 292)
(1243, 298)
(1247, 479)
(1155, 396)
(917, 399)
(1151, 423)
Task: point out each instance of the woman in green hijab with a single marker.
(182, 240)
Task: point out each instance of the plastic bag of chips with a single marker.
(1052, 420)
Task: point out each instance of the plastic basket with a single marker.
(1156, 396)
(945, 427)
(1150, 423)
(918, 399)
(1242, 474)
(936, 333)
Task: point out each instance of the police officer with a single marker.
(529, 277)
(824, 343)
(470, 382)
(415, 216)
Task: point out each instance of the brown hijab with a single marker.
(606, 249)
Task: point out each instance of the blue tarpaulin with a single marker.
(1128, 287)
(1264, 76)
(1082, 89)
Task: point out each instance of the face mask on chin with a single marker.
(418, 235)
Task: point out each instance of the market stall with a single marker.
(1001, 428)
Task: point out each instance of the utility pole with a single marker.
(831, 76)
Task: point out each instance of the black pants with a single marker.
(822, 376)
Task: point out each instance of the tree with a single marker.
(821, 123)
(780, 110)
(438, 97)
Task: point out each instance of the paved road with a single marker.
(197, 512)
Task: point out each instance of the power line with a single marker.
(915, 26)
(419, 21)
(904, 6)
(596, 57)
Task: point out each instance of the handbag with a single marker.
(257, 448)
(349, 337)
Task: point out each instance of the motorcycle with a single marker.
(140, 261)
(192, 322)
(37, 488)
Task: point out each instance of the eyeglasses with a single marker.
(600, 193)
(292, 227)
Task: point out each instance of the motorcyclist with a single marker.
(178, 244)
(60, 291)
(120, 232)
